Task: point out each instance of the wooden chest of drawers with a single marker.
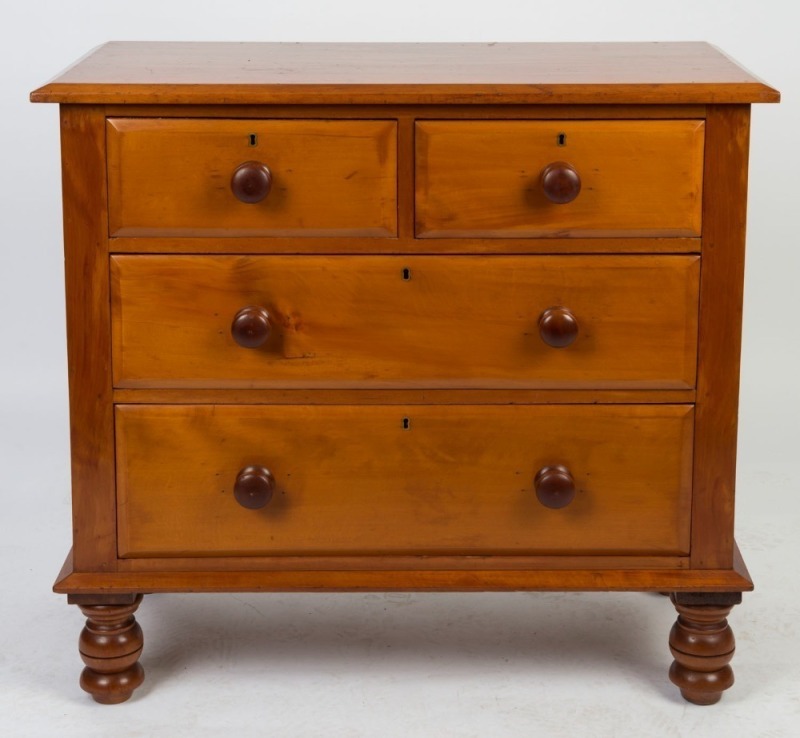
(436, 317)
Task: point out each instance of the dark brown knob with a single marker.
(251, 181)
(558, 327)
(250, 327)
(560, 182)
(253, 487)
(555, 486)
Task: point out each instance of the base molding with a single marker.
(77, 584)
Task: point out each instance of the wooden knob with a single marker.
(555, 486)
(251, 181)
(253, 487)
(250, 327)
(560, 182)
(558, 327)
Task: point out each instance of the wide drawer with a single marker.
(484, 178)
(396, 322)
(394, 480)
(328, 177)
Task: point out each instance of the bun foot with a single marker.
(110, 645)
(111, 689)
(702, 643)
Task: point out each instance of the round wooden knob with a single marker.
(560, 182)
(555, 486)
(253, 487)
(250, 327)
(558, 327)
(251, 181)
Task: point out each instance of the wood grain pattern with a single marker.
(721, 293)
(358, 323)
(401, 397)
(541, 580)
(399, 562)
(252, 73)
(403, 245)
(355, 480)
(173, 177)
(475, 110)
(88, 337)
(331, 328)
(482, 178)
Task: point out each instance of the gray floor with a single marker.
(385, 664)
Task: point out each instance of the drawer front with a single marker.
(173, 177)
(484, 178)
(397, 322)
(391, 480)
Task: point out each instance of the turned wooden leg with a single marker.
(110, 645)
(702, 644)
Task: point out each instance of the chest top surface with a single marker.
(392, 73)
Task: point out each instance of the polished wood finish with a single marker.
(110, 645)
(618, 579)
(251, 182)
(721, 294)
(702, 643)
(483, 178)
(401, 397)
(558, 327)
(452, 73)
(400, 562)
(251, 326)
(358, 323)
(405, 244)
(410, 111)
(555, 486)
(442, 317)
(254, 487)
(409, 563)
(356, 480)
(561, 182)
(88, 337)
(172, 177)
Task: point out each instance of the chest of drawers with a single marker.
(404, 317)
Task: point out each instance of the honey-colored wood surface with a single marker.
(402, 245)
(84, 584)
(550, 73)
(482, 178)
(405, 194)
(88, 337)
(330, 177)
(399, 562)
(543, 580)
(473, 111)
(355, 480)
(400, 396)
(721, 292)
(356, 322)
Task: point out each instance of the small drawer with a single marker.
(559, 178)
(294, 480)
(200, 177)
(548, 322)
